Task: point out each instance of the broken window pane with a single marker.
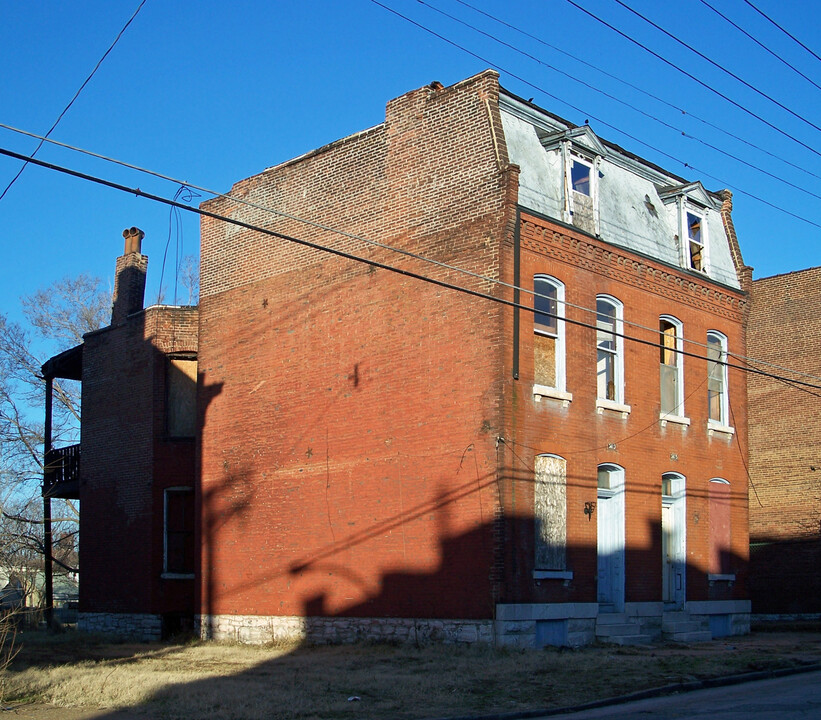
(696, 243)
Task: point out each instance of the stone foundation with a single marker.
(143, 627)
(261, 629)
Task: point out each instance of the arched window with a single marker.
(548, 329)
(550, 512)
(609, 349)
(717, 397)
(671, 367)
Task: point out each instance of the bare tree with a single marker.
(56, 318)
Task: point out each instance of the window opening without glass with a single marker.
(717, 377)
(696, 242)
(670, 367)
(608, 346)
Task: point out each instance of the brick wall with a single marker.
(785, 429)
(127, 462)
(349, 414)
(639, 443)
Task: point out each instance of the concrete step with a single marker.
(611, 619)
(690, 637)
(614, 630)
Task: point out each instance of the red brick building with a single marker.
(134, 470)
(785, 430)
(384, 456)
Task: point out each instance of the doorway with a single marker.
(610, 543)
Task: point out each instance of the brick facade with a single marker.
(365, 464)
(785, 427)
(127, 462)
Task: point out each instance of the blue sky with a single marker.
(212, 92)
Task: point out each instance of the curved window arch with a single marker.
(550, 512)
(549, 333)
(671, 366)
(717, 396)
(609, 349)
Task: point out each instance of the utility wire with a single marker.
(626, 104)
(718, 66)
(644, 92)
(634, 138)
(788, 34)
(373, 263)
(76, 95)
(759, 43)
(695, 79)
(189, 195)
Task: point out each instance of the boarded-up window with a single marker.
(720, 557)
(550, 512)
(179, 531)
(182, 397)
(548, 342)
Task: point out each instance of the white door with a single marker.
(673, 542)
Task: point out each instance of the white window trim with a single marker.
(721, 424)
(618, 404)
(571, 153)
(559, 392)
(685, 207)
(165, 574)
(679, 416)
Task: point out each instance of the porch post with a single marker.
(47, 482)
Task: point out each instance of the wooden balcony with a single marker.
(61, 476)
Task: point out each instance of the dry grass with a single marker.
(227, 681)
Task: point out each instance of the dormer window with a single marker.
(580, 176)
(695, 238)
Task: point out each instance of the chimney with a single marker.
(129, 281)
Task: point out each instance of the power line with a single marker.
(76, 95)
(644, 92)
(718, 66)
(373, 263)
(788, 34)
(619, 100)
(635, 139)
(188, 186)
(759, 43)
(703, 84)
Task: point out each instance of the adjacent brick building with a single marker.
(393, 444)
(785, 432)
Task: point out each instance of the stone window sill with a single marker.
(177, 576)
(729, 578)
(602, 405)
(543, 391)
(552, 574)
(713, 426)
(664, 418)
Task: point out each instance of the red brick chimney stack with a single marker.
(129, 281)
